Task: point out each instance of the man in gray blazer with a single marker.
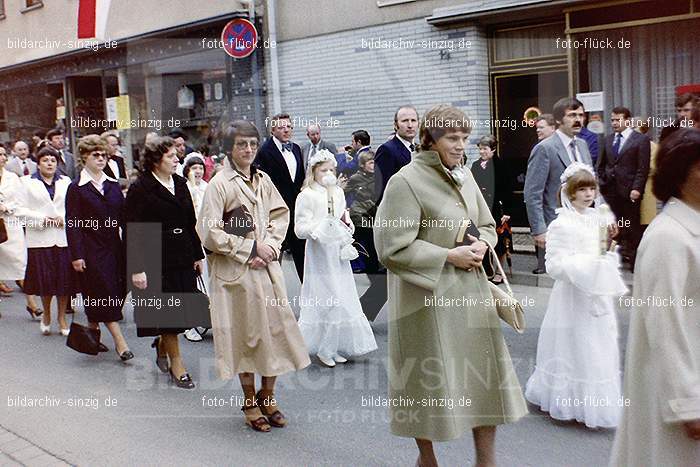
(66, 163)
(315, 144)
(547, 162)
(21, 164)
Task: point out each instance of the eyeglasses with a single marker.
(98, 154)
(244, 144)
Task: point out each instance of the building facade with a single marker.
(349, 64)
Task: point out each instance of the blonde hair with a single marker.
(90, 143)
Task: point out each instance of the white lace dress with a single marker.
(577, 373)
(331, 318)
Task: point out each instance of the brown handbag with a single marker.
(3, 231)
(83, 339)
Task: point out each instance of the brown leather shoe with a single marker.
(268, 406)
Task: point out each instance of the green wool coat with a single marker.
(449, 367)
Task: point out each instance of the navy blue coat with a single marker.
(92, 229)
(388, 159)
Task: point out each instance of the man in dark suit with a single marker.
(115, 168)
(396, 152)
(313, 132)
(623, 169)
(282, 161)
(349, 161)
(66, 162)
(388, 159)
(685, 103)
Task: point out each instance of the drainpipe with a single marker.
(274, 87)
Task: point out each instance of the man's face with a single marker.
(22, 150)
(619, 122)
(314, 134)
(282, 130)
(406, 124)
(544, 130)
(243, 151)
(57, 142)
(3, 157)
(180, 147)
(685, 111)
(355, 144)
(572, 122)
(113, 145)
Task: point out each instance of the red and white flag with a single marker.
(92, 18)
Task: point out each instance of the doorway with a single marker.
(514, 93)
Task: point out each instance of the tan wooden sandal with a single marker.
(255, 419)
(268, 407)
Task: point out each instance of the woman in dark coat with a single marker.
(164, 253)
(94, 213)
(490, 175)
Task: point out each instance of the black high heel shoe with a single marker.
(184, 381)
(161, 362)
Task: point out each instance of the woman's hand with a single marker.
(199, 266)
(467, 256)
(139, 280)
(692, 429)
(79, 265)
(265, 252)
(258, 263)
(478, 247)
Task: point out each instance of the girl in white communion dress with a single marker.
(577, 373)
(331, 318)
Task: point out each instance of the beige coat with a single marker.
(647, 208)
(449, 368)
(662, 367)
(254, 328)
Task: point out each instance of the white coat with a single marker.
(13, 252)
(37, 205)
(662, 367)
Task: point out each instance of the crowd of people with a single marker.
(428, 231)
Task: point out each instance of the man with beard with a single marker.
(547, 162)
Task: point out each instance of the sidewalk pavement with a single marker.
(17, 451)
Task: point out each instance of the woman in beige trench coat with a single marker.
(661, 415)
(254, 328)
(449, 368)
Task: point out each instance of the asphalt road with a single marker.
(104, 412)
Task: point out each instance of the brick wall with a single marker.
(334, 76)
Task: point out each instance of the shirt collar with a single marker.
(684, 215)
(86, 178)
(278, 143)
(626, 133)
(565, 139)
(37, 175)
(405, 142)
(169, 185)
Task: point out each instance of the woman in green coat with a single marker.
(449, 368)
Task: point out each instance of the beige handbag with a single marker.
(508, 307)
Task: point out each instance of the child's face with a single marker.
(369, 166)
(322, 170)
(584, 197)
(197, 172)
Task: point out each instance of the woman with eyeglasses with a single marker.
(95, 213)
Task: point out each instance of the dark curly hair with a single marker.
(153, 152)
(45, 152)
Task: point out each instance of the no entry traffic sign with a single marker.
(239, 37)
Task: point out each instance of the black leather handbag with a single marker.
(83, 339)
(196, 307)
